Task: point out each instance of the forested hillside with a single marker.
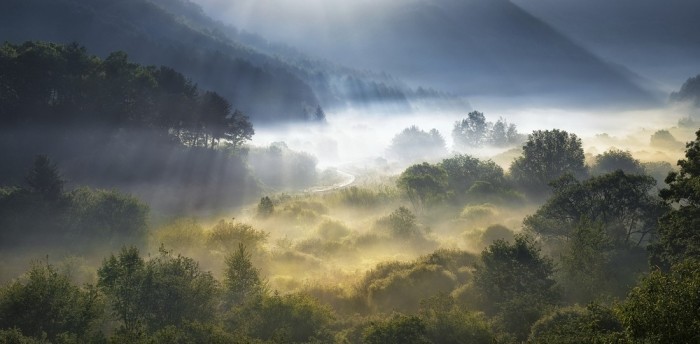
(259, 86)
(272, 83)
(114, 123)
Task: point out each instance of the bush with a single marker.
(399, 329)
(182, 235)
(593, 324)
(294, 318)
(332, 230)
(226, 236)
(479, 213)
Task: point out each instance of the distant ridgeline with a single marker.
(115, 123)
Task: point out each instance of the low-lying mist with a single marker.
(360, 138)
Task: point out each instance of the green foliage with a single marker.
(464, 171)
(265, 208)
(165, 291)
(425, 184)
(293, 318)
(227, 236)
(182, 235)
(593, 324)
(679, 234)
(15, 336)
(586, 262)
(516, 284)
(56, 84)
(362, 198)
(479, 212)
(665, 307)
(38, 216)
(399, 329)
(402, 222)
(622, 203)
(107, 214)
(332, 230)
(306, 212)
(614, 160)
(446, 323)
(45, 303)
(414, 144)
(401, 286)
(242, 281)
(548, 155)
(195, 332)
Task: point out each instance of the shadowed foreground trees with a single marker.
(516, 284)
(679, 230)
(45, 303)
(42, 213)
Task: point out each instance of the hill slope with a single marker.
(474, 47)
(151, 35)
(657, 38)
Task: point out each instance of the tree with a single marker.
(516, 284)
(292, 318)
(614, 160)
(242, 282)
(592, 324)
(265, 208)
(587, 265)
(402, 223)
(471, 131)
(448, 323)
(164, 291)
(463, 171)
(46, 303)
(547, 155)
(414, 144)
(679, 229)
(620, 202)
(664, 307)
(215, 112)
(424, 184)
(44, 178)
(175, 291)
(119, 278)
(238, 129)
(399, 329)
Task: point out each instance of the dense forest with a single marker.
(169, 178)
(604, 257)
(101, 118)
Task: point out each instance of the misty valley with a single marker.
(419, 171)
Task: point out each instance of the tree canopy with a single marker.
(61, 85)
(679, 230)
(547, 155)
